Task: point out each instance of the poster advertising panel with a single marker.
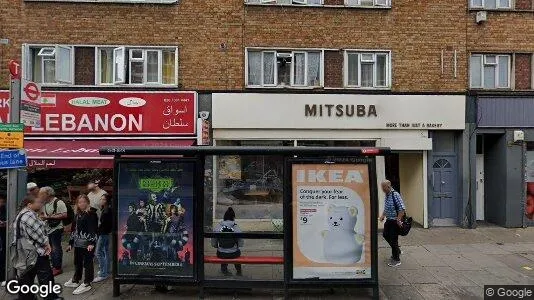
(529, 203)
(155, 218)
(331, 221)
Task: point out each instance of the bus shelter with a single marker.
(166, 208)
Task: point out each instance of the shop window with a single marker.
(49, 64)
(367, 69)
(489, 71)
(347, 143)
(136, 66)
(271, 68)
(491, 4)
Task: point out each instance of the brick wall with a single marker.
(84, 66)
(333, 69)
(523, 71)
(415, 31)
(523, 4)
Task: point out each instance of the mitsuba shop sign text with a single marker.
(117, 113)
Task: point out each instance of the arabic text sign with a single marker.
(113, 113)
(11, 135)
(12, 159)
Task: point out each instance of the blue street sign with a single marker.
(13, 159)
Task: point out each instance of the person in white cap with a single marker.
(33, 189)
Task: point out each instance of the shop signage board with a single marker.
(113, 113)
(332, 226)
(338, 111)
(155, 219)
(11, 135)
(12, 159)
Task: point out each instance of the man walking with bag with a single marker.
(394, 211)
(31, 250)
(55, 211)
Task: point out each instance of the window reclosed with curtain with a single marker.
(367, 69)
(299, 74)
(106, 65)
(254, 68)
(169, 70)
(314, 68)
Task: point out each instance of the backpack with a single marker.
(23, 253)
(227, 243)
(70, 214)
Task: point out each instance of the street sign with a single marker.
(14, 69)
(31, 91)
(30, 107)
(13, 159)
(12, 135)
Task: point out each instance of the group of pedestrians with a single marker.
(43, 221)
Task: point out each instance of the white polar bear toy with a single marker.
(342, 245)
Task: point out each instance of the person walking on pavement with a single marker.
(55, 211)
(95, 194)
(32, 189)
(394, 210)
(228, 248)
(104, 232)
(83, 239)
(29, 226)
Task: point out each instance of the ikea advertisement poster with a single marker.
(331, 221)
(155, 218)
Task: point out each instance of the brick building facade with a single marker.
(280, 47)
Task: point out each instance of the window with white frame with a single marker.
(49, 64)
(489, 71)
(491, 4)
(271, 68)
(286, 2)
(368, 3)
(139, 66)
(367, 69)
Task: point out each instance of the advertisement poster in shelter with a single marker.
(331, 221)
(155, 218)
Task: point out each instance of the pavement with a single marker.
(437, 263)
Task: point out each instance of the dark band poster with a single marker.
(155, 229)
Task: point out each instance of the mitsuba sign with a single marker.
(113, 113)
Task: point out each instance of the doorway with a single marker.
(444, 208)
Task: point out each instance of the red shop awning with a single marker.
(81, 154)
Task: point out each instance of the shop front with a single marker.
(413, 126)
(504, 158)
(63, 152)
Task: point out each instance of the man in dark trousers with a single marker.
(29, 226)
(394, 210)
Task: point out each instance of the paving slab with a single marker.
(483, 260)
(467, 292)
(484, 277)
(490, 248)
(459, 262)
(517, 262)
(435, 292)
(511, 275)
(402, 292)
(418, 276)
(449, 276)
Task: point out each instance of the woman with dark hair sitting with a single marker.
(228, 248)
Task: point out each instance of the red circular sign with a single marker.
(14, 69)
(32, 91)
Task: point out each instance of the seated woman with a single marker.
(228, 248)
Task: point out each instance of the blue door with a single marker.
(444, 208)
